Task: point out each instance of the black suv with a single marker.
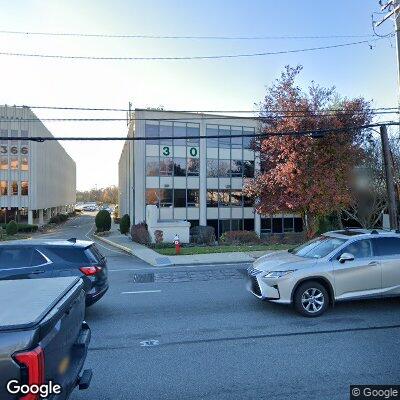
(54, 258)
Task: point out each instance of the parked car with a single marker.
(337, 266)
(54, 258)
(43, 337)
(90, 207)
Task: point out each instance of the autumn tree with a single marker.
(307, 174)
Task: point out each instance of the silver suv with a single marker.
(339, 265)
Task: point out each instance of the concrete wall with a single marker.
(52, 172)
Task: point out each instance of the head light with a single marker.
(278, 274)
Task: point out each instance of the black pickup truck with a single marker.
(43, 338)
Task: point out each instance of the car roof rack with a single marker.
(374, 232)
(72, 240)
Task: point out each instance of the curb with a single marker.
(170, 264)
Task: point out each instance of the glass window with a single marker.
(224, 142)
(224, 167)
(386, 246)
(179, 166)
(4, 162)
(179, 131)
(16, 257)
(212, 130)
(24, 163)
(359, 249)
(248, 141)
(14, 135)
(266, 225)
(236, 139)
(193, 166)
(180, 198)
(248, 224)
(288, 225)
(298, 224)
(248, 169)
(212, 167)
(24, 188)
(166, 166)
(224, 226)
(248, 201)
(166, 131)
(152, 166)
(319, 247)
(165, 197)
(236, 168)
(70, 254)
(3, 188)
(37, 259)
(152, 197)
(236, 225)
(236, 198)
(193, 198)
(277, 226)
(152, 131)
(212, 198)
(14, 188)
(224, 198)
(14, 162)
(193, 130)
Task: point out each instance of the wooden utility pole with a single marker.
(390, 188)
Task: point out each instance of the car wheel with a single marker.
(311, 299)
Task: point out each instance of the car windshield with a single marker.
(318, 248)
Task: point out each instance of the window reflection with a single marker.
(3, 188)
(166, 167)
(193, 167)
(152, 166)
(193, 198)
(24, 188)
(14, 188)
(179, 166)
(152, 196)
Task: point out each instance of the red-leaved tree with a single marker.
(306, 174)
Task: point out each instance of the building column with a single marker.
(30, 217)
(257, 223)
(41, 219)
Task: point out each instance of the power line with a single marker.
(198, 118)
(255, 135)
(67, 108)
(142, 36)
(180, 58)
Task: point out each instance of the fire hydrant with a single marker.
(177, 244)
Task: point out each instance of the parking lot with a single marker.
(194, 332)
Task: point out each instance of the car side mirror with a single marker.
(346, 257)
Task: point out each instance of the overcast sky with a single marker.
(206, 84)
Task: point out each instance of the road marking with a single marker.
(142, 291)
(150, 342)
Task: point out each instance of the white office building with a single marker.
(37, 179)
(200, 179)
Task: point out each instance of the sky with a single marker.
(190, 84)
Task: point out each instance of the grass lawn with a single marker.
(186, 251)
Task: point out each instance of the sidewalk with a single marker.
(155, 259)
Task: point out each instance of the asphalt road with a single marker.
(195, 333)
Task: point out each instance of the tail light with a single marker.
(34, 369)
(90, 271)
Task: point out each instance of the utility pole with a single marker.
(393, 8)
(390, 188)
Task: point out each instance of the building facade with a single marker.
(37, 179)
(199, 179)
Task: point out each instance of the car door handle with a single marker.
(372, 263)
(38, 271)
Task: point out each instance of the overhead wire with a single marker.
(180, 58)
